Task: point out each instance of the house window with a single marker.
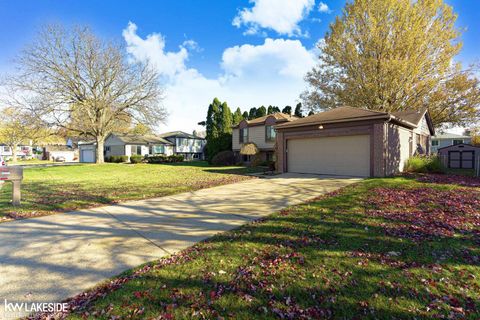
(6, 149)
(457, 141)
(139, 150)
(243, 135)
(157, 149)
(434, 143)
(269, 156)
(196, 156)
(270, 133)
(107, 149)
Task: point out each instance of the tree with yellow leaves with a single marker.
(391, 55)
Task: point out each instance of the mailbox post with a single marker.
(15, 175)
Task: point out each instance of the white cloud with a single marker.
(252, 75)
(282, 16)
(323, 7)
(167, 63)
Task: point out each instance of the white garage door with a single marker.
(88, 156)
(345, 155)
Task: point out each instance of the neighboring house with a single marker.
(22, 151)
(132, 144)
(448, 139)
(54, 152)
(460, 156)
(353, 142)
(188, 145)
(259, 131)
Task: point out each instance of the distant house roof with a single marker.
(447, 135)
(279, 117)
(140, 139)
(179, 134)
(409, 118)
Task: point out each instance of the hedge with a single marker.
(116, 159)
(424, 164)
(165, 159)
(136, 158)
(224, 158)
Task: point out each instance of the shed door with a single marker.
(460, 159)
(345, 155)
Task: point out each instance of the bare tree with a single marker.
(74, 80)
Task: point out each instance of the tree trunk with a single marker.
(99, 155)
(14, 153)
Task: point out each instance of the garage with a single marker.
(342, 155)
(87, 156)
(346, 141)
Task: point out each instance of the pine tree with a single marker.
(287, 110)
(252, 114)
(270, 110)
(245, 115)
(212, 128)
(237, 116)
(262, 111)
(276, 109)
(311, 113)
(298, 110)
(225, 139)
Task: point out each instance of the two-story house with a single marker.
(259, 131)
(448, 139)
(188, 145)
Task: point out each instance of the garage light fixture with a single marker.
(320, 127)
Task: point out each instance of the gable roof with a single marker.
(409, 118)
(179, 134)
(340, 114)
(279, 117)
(129, 138)
(468, 145)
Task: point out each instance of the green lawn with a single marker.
(51, 189)
(381, 249)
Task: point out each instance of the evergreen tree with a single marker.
(262, 111)
(298, 110)
(287, 110)
(252, 114)
(225, 139)
(245, 115)
(311, 113)
(237, 116)
(270, 110)
(212, 128)
(276, 109)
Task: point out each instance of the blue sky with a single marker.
(246, 52)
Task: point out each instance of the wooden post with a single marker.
(16, 196)
(15, 176)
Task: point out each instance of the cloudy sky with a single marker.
(248, 53)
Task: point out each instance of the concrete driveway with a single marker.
(51, 258)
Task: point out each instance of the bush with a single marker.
(223, 158)
(136, 158)
(116, 159)
(165, 159)
(424, 164)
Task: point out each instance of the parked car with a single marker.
(60, 159)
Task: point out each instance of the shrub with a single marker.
(164, 159)
(223, 158)
(116, 159)
(424, 164)
(136, 158)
